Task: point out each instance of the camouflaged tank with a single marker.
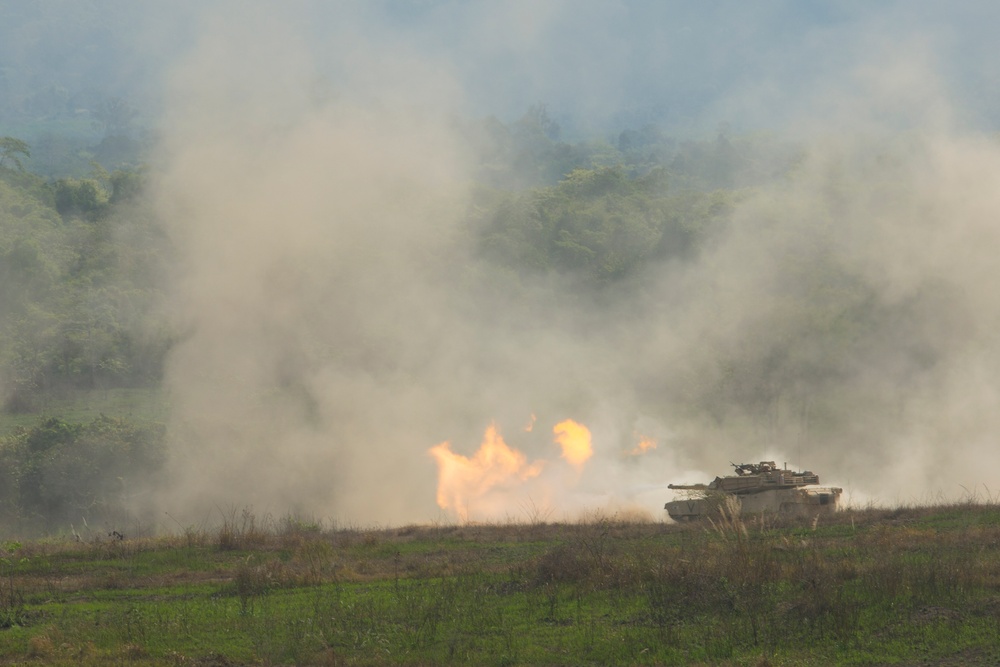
(755, 488)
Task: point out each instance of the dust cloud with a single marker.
(336, 322)
(317, 236)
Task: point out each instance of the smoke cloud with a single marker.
(336, 321)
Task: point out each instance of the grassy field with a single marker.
(83, 406)
(915, 586)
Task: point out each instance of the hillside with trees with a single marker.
(84, 260)
(592, 233)
(82, 264)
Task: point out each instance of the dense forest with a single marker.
(84, 258)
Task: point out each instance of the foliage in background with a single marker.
(600, 223)
(83, 259)
(58, 474)
(81, 264)
(609, 223)
(11, 151)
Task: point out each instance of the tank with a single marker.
(755, 488)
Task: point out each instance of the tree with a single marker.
(601, 223)
(115, 117)
(78, 293)
(82, 197)
(57, 472)
(10, 148)
(537, 123)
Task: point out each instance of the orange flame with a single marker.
(462, 479)
(574, 439)
(645, 444)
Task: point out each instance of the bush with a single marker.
(65, 472)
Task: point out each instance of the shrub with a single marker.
(65, 472)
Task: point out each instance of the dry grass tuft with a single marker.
(244, 530)
(41, 647)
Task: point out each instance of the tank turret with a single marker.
(755, 488)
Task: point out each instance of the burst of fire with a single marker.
(574, 439)
(645, 444)
(462, 480)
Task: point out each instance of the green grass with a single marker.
(902, 587)
(142, 404)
